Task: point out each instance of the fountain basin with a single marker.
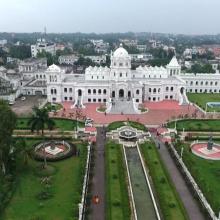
(53, 150)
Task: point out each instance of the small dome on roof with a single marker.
(173, 62)
(54, 68)
(120, 52)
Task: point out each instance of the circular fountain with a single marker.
(53, 150)
(206, 150)
(128, 134)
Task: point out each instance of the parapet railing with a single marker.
(82, 205)
(194, 184)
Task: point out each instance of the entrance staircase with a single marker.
(122, 107)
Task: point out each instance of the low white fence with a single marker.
(85, 186)
(195, 186)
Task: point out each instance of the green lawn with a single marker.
(117, 201)
(66, 186)
(61, 124)
(196, 125)
(206, 174)
(118, 124)
(169, 200)
(202, 98)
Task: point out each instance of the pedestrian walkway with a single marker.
(191, 205)
(98, 188)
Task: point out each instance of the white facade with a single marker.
(102, 84)
(68, 59)
(41, 46)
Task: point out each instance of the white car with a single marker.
(23, 98)
(11, 102)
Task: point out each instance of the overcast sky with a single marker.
(103, 16)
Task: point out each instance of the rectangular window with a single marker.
(94, 100)
(89, 100)
(65, 89)
(65, 98)
(70, 90)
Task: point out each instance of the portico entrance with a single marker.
(121, 93)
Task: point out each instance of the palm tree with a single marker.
(40, 119)
(23, 150)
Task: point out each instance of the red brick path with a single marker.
(158, 113)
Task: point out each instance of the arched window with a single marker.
(201, 83)
(171, 88)
(159, 90)
(120, 74)
(137, 92)
(167, 88)
(216, 83)
(211, 83)
(206, 83)
(196, 82)
(99, 91)
(94, 91)
(149, 89)
(104, 91)
(51, 91)
(89, 91)
(155, 90)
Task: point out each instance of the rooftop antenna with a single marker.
(45, 31)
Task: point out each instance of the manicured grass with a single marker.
(66, 186)
(117, 201)
(202, 98)
(53, 107)
(196, 125)
(61, 124)
(169, 200)
(206, 174)
(118, 124)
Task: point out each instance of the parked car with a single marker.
(23, 98)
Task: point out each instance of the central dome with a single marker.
(121, 52)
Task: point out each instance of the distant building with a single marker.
(141, 47)
(41, 46)
(128, 42)
(100, 46)
(31, 68)
(68, 59)
(3, 42)
(141, 57)
(97, 59)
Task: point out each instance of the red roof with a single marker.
(90, 129)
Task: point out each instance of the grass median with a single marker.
(170, 203)
(117, 200)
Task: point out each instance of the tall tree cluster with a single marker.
(7, 125)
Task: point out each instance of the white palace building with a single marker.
(118, 85)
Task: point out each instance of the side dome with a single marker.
(120, 52)
(53, 68)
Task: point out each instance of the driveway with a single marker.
(23, 108)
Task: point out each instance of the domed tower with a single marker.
(173, 68)
(54, 77)
(120, 65)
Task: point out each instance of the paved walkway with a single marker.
(191, 205)
(158, 113)
(98, 188)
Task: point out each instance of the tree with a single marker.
(40, 120)
(23, 150)
(7, 125)
(20, 52)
